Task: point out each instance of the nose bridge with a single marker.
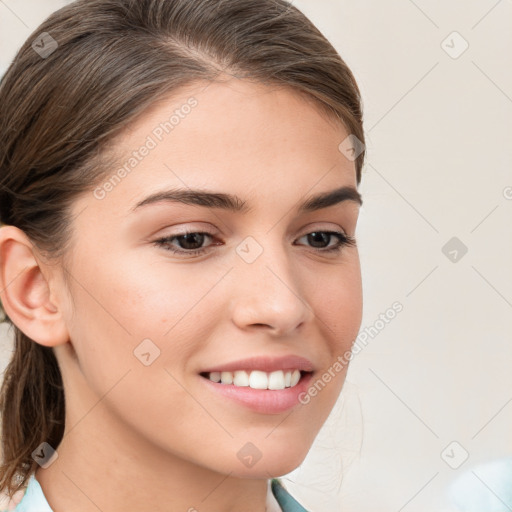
(269, 291)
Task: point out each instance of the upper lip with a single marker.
(264, 363)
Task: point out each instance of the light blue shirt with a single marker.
(486, 487)
(34, 500)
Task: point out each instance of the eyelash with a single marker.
(343, 241)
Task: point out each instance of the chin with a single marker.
(280, 463)
(279, 468)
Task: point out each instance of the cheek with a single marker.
(156, 308)
(338, 303)
(121, 316)
(167, 304)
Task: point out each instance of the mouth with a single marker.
(262, 392)
(265, 384)
(258, 379)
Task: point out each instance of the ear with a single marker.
(25, 291)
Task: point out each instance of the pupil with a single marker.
(192, 236)
(321, 235)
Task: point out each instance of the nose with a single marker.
(268, 294)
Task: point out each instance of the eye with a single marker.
(188, 240)
(319, 237)
(191, 242)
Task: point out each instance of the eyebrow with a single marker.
(236, 204)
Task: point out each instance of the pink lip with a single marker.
(264, 363)
(264, 401)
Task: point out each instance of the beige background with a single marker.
(438, 125)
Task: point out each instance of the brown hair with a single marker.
(69, 92)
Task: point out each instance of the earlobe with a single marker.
(25, 291)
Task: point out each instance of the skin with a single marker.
(150, 437)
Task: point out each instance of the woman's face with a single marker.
(146, 325)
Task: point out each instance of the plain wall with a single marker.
(438, 122)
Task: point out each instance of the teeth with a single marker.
(225, 377)
(258, 379)
(215, 376)
(276, 380)
(295, 378)
(241, 379)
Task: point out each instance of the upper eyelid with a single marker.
(215, 235)
(314, 226)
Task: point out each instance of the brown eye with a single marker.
(318, 239)
(189, 243)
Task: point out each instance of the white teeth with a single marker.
(241, 378)
(295, 377)
(258, 379)
(276, 380)
(225, 377)
(215, 376)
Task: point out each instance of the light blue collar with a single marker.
(284, 498)
(33, 500)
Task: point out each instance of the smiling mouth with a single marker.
(257, 379)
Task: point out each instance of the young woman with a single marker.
(177, 257)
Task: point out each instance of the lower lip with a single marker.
(266, 401)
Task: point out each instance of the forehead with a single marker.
(247, 138)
